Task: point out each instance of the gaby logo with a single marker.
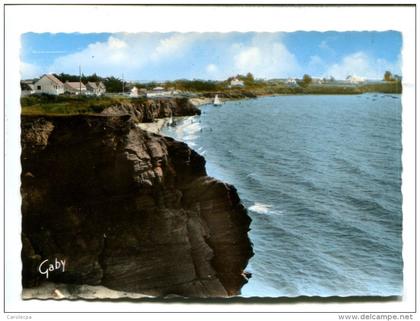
(45, 267)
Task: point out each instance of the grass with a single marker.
(70, 105)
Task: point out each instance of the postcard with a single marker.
(161, 165)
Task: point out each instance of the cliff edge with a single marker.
(148, 110)
(128, 210)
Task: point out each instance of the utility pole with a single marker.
(123, 83)
(80, 80)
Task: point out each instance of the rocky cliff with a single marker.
(147, 110)
(128, 210)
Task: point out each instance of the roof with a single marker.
(53, 78)
(101, 85)
(74, 85)
(95, 85)
(92, 85)
(29, 81)
(158, 88)
(26, 86)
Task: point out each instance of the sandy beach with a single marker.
(200, 101)
(156, 126)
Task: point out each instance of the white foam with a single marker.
(260, 208)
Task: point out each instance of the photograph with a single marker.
(211, 165)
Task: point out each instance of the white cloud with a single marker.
(172, 46)
(28, 71)
(265, 57)
(120, 53)
(116, 43)
(362, 65)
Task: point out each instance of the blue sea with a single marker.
(321, 179)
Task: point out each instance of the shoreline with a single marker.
(156, 126)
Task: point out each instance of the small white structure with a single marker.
(216, 101)
(134, 92)
(355, 80)
(75, 87)
(291, 82)
(236, 83)
(317, 81)
(49, 84)
(95, 88)
(158, 92)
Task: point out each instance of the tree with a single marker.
(113, 84)
(250, 77)
(307, 79)
(388, 76)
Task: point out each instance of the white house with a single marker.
(317, 81)
(134, 92)
(236, 83)
(49, 84)
(74, 87)
(158, 92)
(355, 80)
(291, 82)
(95, 88)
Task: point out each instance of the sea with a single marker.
(320, 176)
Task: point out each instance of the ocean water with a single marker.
(321, 179)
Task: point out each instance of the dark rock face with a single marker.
(128, 210)
(146, 111)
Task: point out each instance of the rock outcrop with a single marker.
(127, 210)
(147, 110)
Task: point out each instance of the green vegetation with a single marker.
(306, 80)
(252, 86)
(112, 84)
(69, 105)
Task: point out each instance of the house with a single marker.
(134, 92)
(317, 81)
(49, 84)
(27, 87)
(291, 82)
(158, 92)
(74, 87)
(95, 88)
(355, 80)
(329, 79)
(236, 83)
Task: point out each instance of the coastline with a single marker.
(158, 124)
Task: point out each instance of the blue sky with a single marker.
(167, 56)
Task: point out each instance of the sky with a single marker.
(215, 56)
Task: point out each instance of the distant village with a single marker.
(51, 85)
